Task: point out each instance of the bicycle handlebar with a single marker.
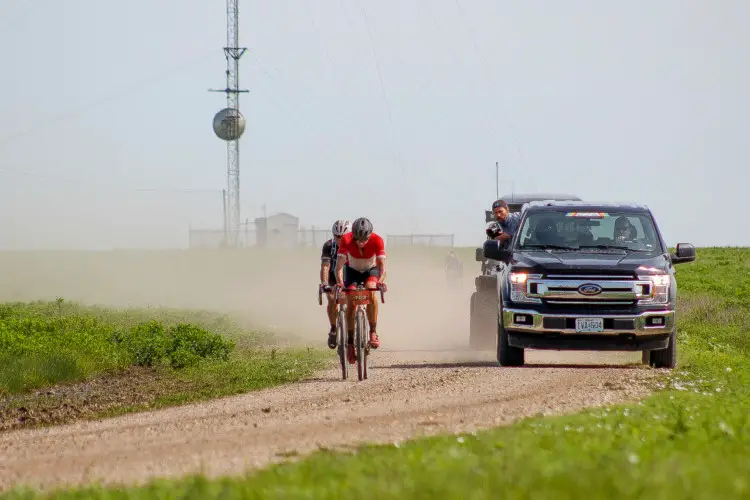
(361, 289)
(322, 288)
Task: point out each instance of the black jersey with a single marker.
(330, 253)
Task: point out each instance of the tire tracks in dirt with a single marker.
(408, 395)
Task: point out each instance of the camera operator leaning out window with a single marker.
(505, 224)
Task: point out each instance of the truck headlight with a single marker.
(659, 292)
(518, 278)
(518, 286)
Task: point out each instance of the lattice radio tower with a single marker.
(229, 124)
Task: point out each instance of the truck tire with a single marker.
(665, 358)
(508, 355)
(482, 320)
(646, 357)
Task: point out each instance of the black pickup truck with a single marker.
(587, 276)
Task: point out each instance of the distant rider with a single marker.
(328, 258)
(453, 269)
(362, 252)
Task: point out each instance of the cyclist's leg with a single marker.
(332, 311)
(352, 278)
(371, 282)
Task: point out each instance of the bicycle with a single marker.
(360, 299)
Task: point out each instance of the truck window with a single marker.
(633, 231)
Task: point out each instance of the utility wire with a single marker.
(394, 144)
(76, 113)
(489, 80)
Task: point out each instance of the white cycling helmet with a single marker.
(340, 227)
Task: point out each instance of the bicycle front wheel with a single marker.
(361, 340)
(341, 332)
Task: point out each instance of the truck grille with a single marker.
(589, 289)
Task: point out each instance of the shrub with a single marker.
(147, 343)
(180, 345)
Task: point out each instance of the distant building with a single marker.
(278, 230)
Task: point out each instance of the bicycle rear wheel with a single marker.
(341, 331)
(361, 339)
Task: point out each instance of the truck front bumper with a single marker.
(531, 329)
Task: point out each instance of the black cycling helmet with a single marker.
(361, 228)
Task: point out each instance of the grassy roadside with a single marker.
(61, 362)
(690, 440)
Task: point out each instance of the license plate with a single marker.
(587, 325)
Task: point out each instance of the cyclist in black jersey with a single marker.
(327, 279)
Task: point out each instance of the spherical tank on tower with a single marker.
(229, 124)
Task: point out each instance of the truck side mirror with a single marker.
(685, 252)
(479, 254)
(493, 250)
(489, 216)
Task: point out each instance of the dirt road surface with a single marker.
(407, 395)
(422, 381)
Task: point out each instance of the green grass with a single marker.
(44, 343)
(145, 357)
(690, 440)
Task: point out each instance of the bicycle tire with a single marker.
(365, 346)
(340, 326)
(359, 339)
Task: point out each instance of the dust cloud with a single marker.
(273, 290)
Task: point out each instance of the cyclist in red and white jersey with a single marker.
(361, 254)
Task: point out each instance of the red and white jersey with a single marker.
(362, 259)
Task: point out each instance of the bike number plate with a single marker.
(360, 298)
(589, 325)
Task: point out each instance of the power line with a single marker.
(70, 115)
(394, 144)
(489, 80)
(113, 186)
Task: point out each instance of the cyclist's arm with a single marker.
(325, 262)
(325, 267)
(380, 259)
(340, 262)
(381, 263)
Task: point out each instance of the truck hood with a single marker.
(541, 261)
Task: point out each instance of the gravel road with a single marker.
(422, 382)
(410, 393)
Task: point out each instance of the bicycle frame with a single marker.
(359, 297)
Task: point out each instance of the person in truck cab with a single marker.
(505, 224)
(546, 233)
(625, 232)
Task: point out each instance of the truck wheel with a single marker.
(483, 317)
(508, 355)
(646, 357)
(666, 358)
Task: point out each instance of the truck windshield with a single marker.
(598, 230)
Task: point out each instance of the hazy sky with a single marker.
(642, 101)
